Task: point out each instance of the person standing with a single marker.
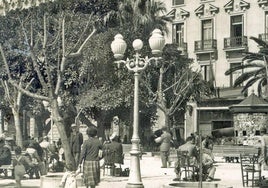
(263, 159)
(165, 140)
(76, 141)
(90, 159)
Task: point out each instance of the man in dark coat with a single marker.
(76, 141)
(5, 154)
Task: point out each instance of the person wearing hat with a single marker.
(165, 142)
(76, 141)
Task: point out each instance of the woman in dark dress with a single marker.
(90, 157)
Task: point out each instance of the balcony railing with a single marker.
(236, 42)
(205, 45)
(264, 37)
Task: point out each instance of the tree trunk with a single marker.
(58, 120)
(17, 127)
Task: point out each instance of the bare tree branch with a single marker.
(78, 52)
(28, 93)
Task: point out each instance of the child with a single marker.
(69, 178)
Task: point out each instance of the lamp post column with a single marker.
(136, 65)
(135, 175)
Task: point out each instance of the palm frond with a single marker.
(262, 83)
(244, 77)
(252, 57)
(251, 82)
(260, 42)
(242, 67)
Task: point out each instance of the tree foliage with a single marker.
(253, 67)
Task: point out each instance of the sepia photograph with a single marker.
(133, 93)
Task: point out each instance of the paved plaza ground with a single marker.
(227, 175)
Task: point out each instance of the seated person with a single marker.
(32, 153)
(192, 152)
(208, 168)
(5, 153)
(113, 152)
(20, 160)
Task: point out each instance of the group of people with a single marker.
(33, 159)
(87, 155)
(200, 154)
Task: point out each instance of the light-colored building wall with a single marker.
(192, 13)
(253, 25)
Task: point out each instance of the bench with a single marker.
(231, 153)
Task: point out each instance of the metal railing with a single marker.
(264, 37)
(236, 42)
(204, 45)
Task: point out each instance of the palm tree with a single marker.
(141, 15)
(258, 68)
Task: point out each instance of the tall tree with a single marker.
(172, 83)
(52, 38)
(254, 68)
(141, 16)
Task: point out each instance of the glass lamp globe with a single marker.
(137, 44)
(118, 46)
(156, 42)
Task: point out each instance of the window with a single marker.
(207, 34)
(265, 35)
(206, 72)
(266, 22)
(178, 34)
(178, 2)
(237, 26)
(207, 30)
(235, 74)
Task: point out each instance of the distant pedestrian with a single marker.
(263, 159)
(90, 159)
(165, 140)
(76, 141)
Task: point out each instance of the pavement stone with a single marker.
(227, 175)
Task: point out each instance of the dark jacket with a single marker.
(113, 153)
(75, 142)
(5, 156)
(90, 150)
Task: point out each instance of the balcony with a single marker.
(204, 46)
(264, 37)
(236, 43)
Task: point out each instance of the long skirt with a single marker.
(91, 173)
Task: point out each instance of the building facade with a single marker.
(215, 33)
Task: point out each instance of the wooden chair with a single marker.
(251, 173)
(188, 170)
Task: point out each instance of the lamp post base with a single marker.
(130, 185)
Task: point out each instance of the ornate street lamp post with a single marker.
(136, 65)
